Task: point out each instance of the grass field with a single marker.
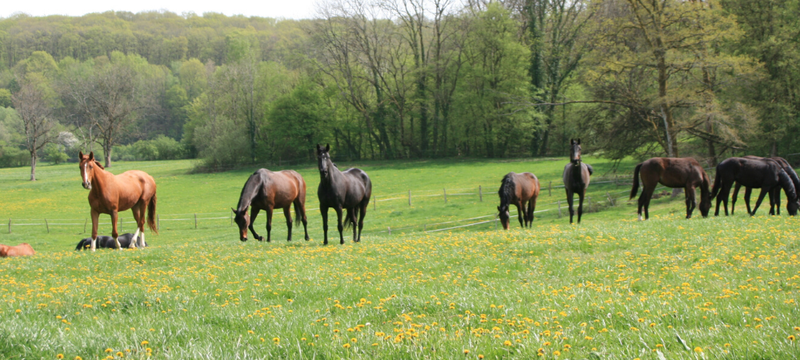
(610, 288)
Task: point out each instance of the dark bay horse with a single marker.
(349, 190)
(775, 195)
(576, 177)
(23, 249)
(765, 174)
(108, 242)
(268, 190)
(683, 173)
(518, 189)
(110, 194)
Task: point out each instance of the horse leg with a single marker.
(747, 192)
(353, 213)
(735, 196)
(137, 217)
(569, 203)
(114, 233)
(340, 227)
(531, 209)
(324, 211)
(253, 215)
(300, 209)
(521, 213)
(269, 210)
(777, 200)
(361, 215)
(287, 212)
(581, 194)
(691, 200)
(95, 221)
(760, 198)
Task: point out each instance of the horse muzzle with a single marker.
(243, 239)
(87, 185)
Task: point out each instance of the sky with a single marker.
(290, 9)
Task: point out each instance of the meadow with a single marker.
(609, 288)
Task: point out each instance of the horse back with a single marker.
(527, 185)
(133, 186)
(284, 187)
(359, 186)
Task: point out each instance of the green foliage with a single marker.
(160, 148)
(5, 98)
(54, 153)
(295, 122)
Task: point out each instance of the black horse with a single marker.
(107, 242)
(349, 190)
(775, 195)
(764, 174)
(576, 177)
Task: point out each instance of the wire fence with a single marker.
(409, 196)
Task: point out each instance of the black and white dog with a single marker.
(107, 242)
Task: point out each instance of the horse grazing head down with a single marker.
(575, 150)
(504, 216)
(87, 165)
(323, 157)
(243, 220)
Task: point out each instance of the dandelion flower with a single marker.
(791, 337)
(698, 349)
(507, 343)
(346, 346)
(145, 342)
(60, 356)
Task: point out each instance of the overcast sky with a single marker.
(292, 9)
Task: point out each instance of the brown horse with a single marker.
(23, 249)
(267, 190)
(110, 194)
(576, 177)
(675, 173)
(518, 189)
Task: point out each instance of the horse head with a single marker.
(323, 158)
(575, 150)
(243, 220)
(504, 216)
(87, 165)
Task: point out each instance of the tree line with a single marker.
(399, 79)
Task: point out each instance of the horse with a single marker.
(775, 195)
(765, 174)
(683, 173)
(518, 189)
(107, 242)
(576, 177)
(349, 190)
(267, 190)
(110, 194)
(23, 249)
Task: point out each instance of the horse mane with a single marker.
(250, 190)
(98, 165)
(507, 189)
(787, 185)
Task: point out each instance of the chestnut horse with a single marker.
(518, 189)
(683, 173)
(23, 249)
(110, 194)
(576, 178)
(267, 190)
(775, 195)
(349, 190)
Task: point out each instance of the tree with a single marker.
(36, 112)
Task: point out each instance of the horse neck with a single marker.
(249, 192)
(787, 185)
(577, 170)
(334, 175)
(101, 179)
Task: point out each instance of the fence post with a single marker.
(445, 195)
(9, 226)
(195, 221)
(47, 226)
(550, 188)
(409, 197)
(390, 229)
(559, 209)
(589, 203)
(610, 200)
(86, 221)
(424, 227)
(480, 192)
(158, 222)
(495, 224)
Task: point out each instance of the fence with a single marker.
(198, 218)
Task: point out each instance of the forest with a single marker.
(405, 79)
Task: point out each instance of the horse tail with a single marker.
(590, 168)
(635, 188)
(151, 214)
(717, 182)
(81, 245)
(348, 221)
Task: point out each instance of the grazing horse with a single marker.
(775, 195)
(267, 190)
(349, 190)
(110, 194)
(518, 189)
(576, 177)
(765, 174)
(107, 242)
(23, 249)
(683, 173)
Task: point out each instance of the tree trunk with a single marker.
(33, 165)
(107, 150)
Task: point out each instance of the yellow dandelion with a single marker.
(120, 354)
(145, 342)
(507, 343)
(19, 311)
(276, 339)
(556, 353)
(374, 344)
(791, 337)
(480, 356)
(109, 350)
(346, 346)
(698, 349)
(60, 356)
(466, 351)
(78, 358)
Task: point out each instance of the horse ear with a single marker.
(234, 211)
(91, 155)
(327, 147)
(80, 154)
(579, 141)
(498, 208)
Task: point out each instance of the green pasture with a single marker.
(609, 288)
